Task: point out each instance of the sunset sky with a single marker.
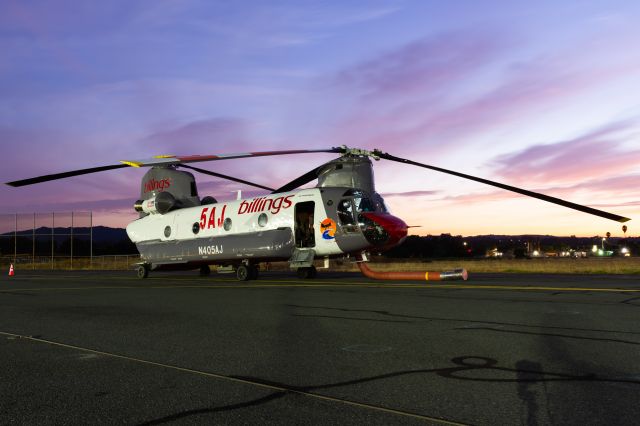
(543, 95)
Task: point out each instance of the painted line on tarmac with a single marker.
(238, 380)
(332, 284)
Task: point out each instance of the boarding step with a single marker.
(302, 258)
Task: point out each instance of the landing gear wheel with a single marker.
(142, 271)
(205, 271)
(301, 272)
(253, 272)
(243, 273)
(305, 273)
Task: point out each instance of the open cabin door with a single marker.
(304, 219)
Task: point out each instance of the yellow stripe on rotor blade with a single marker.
(131, 163)
(164, 156)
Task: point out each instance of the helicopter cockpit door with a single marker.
(304, 232)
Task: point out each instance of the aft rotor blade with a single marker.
(231, 178)
(63, 175)
(168, 160)
(537, 195)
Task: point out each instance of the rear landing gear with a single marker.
(307, 272)
(142, 271)
(205, 271)
(253, 272)
(247, 272)
(243, 273)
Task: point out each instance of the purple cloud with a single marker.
(427, 67)
(405, 105)
(613, 188)
(401, 90)
(410, 194)
(208, 136)
(593, 154)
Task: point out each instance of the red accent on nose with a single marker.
(395, 227)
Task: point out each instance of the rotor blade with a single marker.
(170, 160)
(301, 180)
(166, 160)
(537, 195)
(63, 175)
(231, 178)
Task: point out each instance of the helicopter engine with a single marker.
(162, 203)
(164, 189)
(352, 171)
(348, 172)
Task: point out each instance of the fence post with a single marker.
(53, 231)
(91, 240)
(71, 240)
(33, 244)
(15, 239)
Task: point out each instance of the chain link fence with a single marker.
(60, 240)
(104, 263)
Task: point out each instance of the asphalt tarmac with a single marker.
(106, 348)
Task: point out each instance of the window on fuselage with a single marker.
(345, 212)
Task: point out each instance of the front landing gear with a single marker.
(205, 271)
(307, 272)
(142, 271)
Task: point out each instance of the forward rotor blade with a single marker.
(63, 175)
(301, 180)
(231, 178)
(537, 195)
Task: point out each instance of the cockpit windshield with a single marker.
(379, 202)
(363, 204)
(361, 201)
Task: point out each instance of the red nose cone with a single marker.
(394, 226)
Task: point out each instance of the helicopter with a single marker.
(342, 215)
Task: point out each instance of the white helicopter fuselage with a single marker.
(258, 229)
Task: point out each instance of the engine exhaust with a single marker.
(456, 274)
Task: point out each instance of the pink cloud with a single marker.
(410, 194)
(596, 190)
(594, 154)
(609, 188)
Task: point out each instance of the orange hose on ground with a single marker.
(456, 274)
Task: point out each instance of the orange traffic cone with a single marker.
(11, 270)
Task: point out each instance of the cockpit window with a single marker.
(364, 204)
(379, 202)
(345, 212)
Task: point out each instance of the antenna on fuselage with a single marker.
(239, 194)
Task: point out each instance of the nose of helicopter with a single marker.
(384, 229)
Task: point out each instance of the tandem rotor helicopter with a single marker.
(342, 215)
